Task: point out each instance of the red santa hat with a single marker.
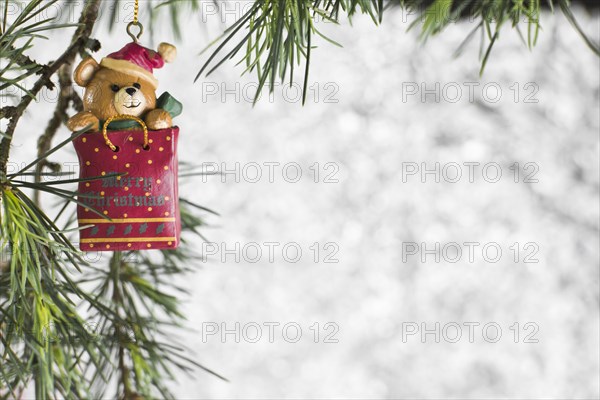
(140, 61)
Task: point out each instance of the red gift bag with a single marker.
(139, 199)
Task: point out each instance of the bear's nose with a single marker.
(130, 91)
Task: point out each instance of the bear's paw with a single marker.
(83, 120)
(158, 119)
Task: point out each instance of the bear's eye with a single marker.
(137, 85)
(114, 88)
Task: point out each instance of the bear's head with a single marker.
(109, 92)
(123, 82)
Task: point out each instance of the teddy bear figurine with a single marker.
(123, 84)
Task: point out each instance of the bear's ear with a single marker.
(85, 71)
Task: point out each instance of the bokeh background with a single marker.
(367, 128)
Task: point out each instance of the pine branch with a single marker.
(36, 296)
(79, 43)
(275, 35)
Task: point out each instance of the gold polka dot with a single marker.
(131, 138)
(149, 161)
(125, 215)
(150, 141)
(125, 188)
(91, 244)
(118, 178)
(141, 179)
(105, 212)
(166, 168)
(149, 208)
(108, 246)
(103, 173)
(167, 198)
(166, 213)
(137, 151)
(161, 148)
(127, 165)
(158, 181)
(114, 157)
(86, 209)
(148, 245)
(168, 138)
(96, 149)
(128, 244)
(169, 243)
(101, 193)
(88, 163)
(87, 184)
(84, 140)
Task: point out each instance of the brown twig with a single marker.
(116, 265)
(66, 96)
(6, 111)
(24, 61)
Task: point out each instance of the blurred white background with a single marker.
(368, 124)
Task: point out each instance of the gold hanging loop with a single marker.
(133, 36)
(135, 23)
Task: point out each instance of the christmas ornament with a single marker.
(128, 159)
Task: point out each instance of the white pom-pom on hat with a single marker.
(167, 51)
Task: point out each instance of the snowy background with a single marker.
(380, 317)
